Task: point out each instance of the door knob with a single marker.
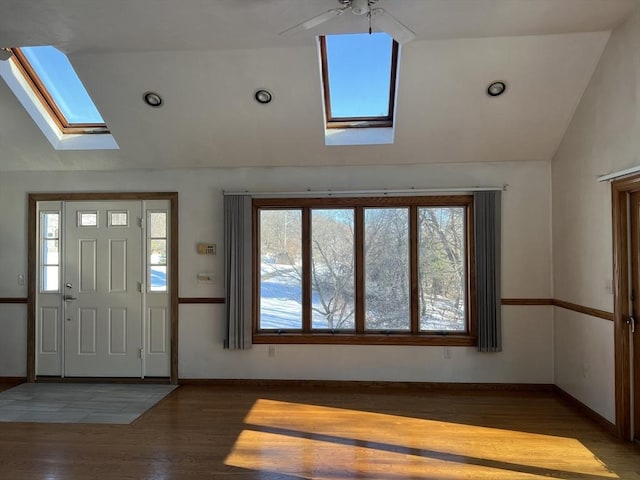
(631, 321)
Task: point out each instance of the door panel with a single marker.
(102, 271)
(49, 328)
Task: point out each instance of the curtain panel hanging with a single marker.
(487, 228)
(237, 271)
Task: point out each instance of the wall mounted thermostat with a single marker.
(207, 248)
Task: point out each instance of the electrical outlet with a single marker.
(448, 354)
(206, 278)
(21, 279)
(272, 351)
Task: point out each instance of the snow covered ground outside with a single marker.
(281, 304)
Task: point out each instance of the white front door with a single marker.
(102, 285)
(103, 307)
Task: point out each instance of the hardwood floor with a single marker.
(241, 433)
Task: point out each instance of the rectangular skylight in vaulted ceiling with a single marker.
(45, 83)
(61, 86)
(359, 73)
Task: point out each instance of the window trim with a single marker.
(48, 103)
(383, 121)
(360, 336)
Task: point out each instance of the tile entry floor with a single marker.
(79, 402)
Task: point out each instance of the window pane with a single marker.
(50, 222)
(333, 263)
(50, 252)
(87, 219)
(387, 277)
(50, 279)
(158, 253)
(158, 278)
(280, 269)
(441, 269)
(158, 224)
(359, 72)
(118, 219)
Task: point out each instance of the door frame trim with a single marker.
(32, 264)
(620, 190)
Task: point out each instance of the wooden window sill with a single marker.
(455, 340)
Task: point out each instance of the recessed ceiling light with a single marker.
(152, 99)
(263, 96)
(496, 89)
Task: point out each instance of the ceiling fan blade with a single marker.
(391, 25)
(314, 21)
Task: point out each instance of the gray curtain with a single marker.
(487, 223)
(237, 270)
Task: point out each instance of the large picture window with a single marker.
(364, 270)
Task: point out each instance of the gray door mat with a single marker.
(79, 402)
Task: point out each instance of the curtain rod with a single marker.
(329, 193)
(620, 173)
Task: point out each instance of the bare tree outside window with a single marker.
(413, 256)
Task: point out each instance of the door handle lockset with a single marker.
(68, 297)
(631, 321)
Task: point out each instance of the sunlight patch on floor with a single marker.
(324, 442)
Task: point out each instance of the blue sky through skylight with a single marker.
(62, 82)
(359, 74)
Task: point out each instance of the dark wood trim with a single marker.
(152, 380)
(355, 202)
(594, 312)
(527, 301)
(585, 410)
(174, 266)
(306, 243)
(574, 307)
(472, 308)
(365, 339)
(414, 260)
(325, 77)
(12, 380)
(200, 300)
(350, 384)
(359, 266)
(16, 300)
(32, 249)
(358, 122)
(48, 102)
(95, 196)
(32, 267)
(620, 190)
(255, 270)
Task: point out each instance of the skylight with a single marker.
(359, 75)
(61, 91)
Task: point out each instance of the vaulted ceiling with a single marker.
(207, 57)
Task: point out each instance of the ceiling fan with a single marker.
(379, 17)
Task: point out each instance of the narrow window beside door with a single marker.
(49, 251)
(157, 251)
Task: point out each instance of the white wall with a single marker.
(603, 137)
(528, 352)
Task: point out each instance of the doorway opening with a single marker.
(103, 286)
(626, 289)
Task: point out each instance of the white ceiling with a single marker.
(207, 57)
